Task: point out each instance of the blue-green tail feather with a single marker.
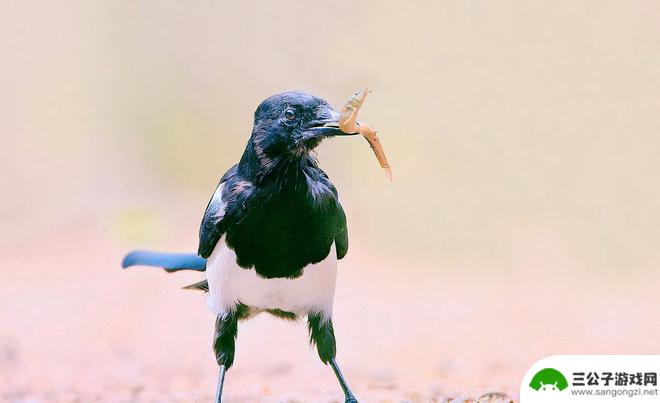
(171, 262)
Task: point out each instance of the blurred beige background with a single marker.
(523, 220)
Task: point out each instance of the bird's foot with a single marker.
(350, 399)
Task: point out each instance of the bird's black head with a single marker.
(291, 124)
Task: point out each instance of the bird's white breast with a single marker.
(230, 284)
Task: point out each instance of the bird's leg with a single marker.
(322, 334)
(224, 341)
(348, 395)
(221, 383)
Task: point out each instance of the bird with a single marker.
(272, 233)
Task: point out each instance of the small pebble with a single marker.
(495, 397)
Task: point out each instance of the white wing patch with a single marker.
(218, 204)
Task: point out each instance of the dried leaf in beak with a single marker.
(348, 116)
(370, 134)
(348, 123)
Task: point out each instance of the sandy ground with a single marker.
(75, 328)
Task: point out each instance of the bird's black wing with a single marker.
(340, 229)
(341, 237)
(213, 225)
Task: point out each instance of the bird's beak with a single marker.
(329, 127)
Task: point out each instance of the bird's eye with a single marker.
(289, 114)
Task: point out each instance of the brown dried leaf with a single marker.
(348, 123)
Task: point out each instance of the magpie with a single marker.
(272, 233)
